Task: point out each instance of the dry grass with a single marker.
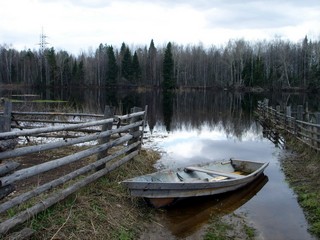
(102, 210)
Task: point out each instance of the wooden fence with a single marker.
(301, 124)
(102, 146)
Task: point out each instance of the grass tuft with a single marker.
(302, 172)
(102, 210)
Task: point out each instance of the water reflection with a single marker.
(167, 108)
(173, 110)
(190, 215)
(201, 126)
(192, 146)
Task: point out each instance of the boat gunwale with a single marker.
(133, 183)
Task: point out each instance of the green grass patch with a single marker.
(302, 169)
(217, 230)
(229, 227)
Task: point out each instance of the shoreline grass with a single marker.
(301, 170)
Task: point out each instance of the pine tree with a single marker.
(168, 69)
(151, 71)
(127, 65)
(52, 67)
(136, 69)
(112, 71)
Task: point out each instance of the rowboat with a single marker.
(164, 187)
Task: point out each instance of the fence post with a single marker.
(5, 120)
(300, 112)
(108, 113)
(5, 144)
(144, 124)
(134, 131)
(317, 130)
(265, 106)
(278, 116)
(5, 126)
(306, 111)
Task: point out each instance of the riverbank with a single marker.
(301, 169)
(105, 210)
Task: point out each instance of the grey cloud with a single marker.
(259, 14)
(239, 17)
(199, 4)
(207, 4)
(84, 3)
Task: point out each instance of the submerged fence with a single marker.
(301, 124)
(32, 173)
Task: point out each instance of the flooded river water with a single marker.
(268, 204)
(200, 126)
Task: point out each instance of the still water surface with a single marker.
(269, 204)
(199, 126)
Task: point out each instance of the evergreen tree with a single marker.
(80, 74)
(168, 69)
(127, 65)
(136, 69)
(120, 58)
(74, 73)
(123, 49)
(253, 72)
(52, 67)
(151, 71)
(77, 73)
(112, 71)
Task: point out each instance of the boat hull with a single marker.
(168, 185)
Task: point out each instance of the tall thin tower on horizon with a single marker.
(43, 42)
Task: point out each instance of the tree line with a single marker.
(276, 64)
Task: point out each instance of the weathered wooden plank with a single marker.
(6, 190)
(57, 114)
(144, 124)
(53, 129)
(5, 124)
(135, 131)
(46, 121)
(8, 167)
(7, 116)
(64, 143)
(44, 167)
(59, 181)
(5, 226)
(305, 131)
(131, 115)
(24, 234)
(108, 113)
(8, 144)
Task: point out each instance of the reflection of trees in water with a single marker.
(183, 109)
(167, 108)
(215, 109)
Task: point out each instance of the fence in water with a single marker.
(301, 124)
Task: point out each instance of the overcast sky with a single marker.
(77, 25)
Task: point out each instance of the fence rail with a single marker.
(301, 124)
(100, 152)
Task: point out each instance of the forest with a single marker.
(273, 65)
